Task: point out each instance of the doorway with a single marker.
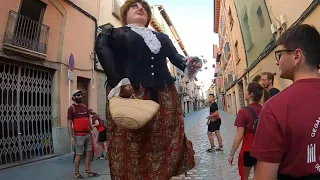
(29, 30)
(234, 103)
(83, 86)
(25, 113)
(33, 9)
(241, 94)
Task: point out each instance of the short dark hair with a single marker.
(211, 95)
(270, 76)
(257, 90)
(305, 37)
(257, 78)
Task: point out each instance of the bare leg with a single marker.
(88, 159)
(77, 162)
(219, 138)
(211, 140)
(246, 172)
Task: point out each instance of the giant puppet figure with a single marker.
(160, 149)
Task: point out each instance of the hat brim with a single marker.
(76, 92)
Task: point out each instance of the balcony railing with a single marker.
(218, 57)
(26, 35)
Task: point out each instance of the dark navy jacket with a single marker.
(123, 53)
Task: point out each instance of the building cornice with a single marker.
(216, 15)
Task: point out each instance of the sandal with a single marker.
(78, 175)
(220, 148)
(91, 174)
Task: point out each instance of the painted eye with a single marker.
(134, 6)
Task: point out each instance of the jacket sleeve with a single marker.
(106, 56)
(175, 58)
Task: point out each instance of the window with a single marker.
(260, 17)
(227, 50)
(236, 52)
(230, 18)
(246, 32)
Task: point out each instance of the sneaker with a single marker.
(210, 150)
(220, 148)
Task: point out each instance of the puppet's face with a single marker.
(137, 14)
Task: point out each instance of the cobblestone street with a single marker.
(209, 166)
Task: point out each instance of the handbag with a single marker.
(132, 113)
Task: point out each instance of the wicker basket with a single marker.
(132, 113)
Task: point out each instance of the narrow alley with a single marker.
(209, 165)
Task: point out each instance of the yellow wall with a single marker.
(235, 36)
(292, 11)
(105, 14)
(268, 63)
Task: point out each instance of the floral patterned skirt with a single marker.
(159, 150)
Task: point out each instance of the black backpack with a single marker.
(255, 118)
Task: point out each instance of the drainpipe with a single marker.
(95, 32)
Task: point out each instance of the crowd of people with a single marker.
(278, 130)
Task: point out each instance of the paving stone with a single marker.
(213, 165)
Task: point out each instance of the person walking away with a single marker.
(287, 140)
(160, 149)
(245, 130)
(102, 137)
(267, 79)
(214, 123)
(79, 118)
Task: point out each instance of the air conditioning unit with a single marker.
(283, 19)
(116, 8)
(234, 77)
(273, 28)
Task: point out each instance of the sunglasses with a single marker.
(278, 53)
(78, 95)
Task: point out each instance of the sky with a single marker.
(193, 20)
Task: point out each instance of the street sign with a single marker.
(71, 62)
(70, 75)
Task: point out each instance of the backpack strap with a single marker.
(74, 110)
(253, 114)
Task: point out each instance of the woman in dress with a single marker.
(160, 149)
(245, 131)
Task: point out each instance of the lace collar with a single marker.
(149, 38)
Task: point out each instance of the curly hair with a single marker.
(126, 6)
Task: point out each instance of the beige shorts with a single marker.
(83, 143)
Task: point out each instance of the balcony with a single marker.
(116, 4)
(227, 50)
(27, 36)
(218, 57)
